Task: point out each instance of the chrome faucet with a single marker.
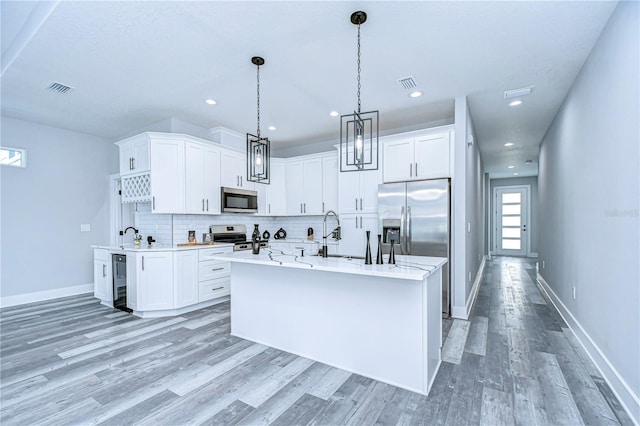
(334, 234)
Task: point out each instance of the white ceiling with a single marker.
(134, 63)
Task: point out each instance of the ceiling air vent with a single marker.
(407, 83)
(59, 87)
(516, 93)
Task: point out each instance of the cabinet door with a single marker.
(330, 183)
(232, 168)
(398, 160)
(186, 278)
(294, 185)
(369, 222)
(349, 192)
(312, 193)
(194, 178)
(102, 288)
(368, 199)
(155, 283)
(352, 241)
(141, 160)
(126, 159)
(432, 156)
(211, 180)
(276, 204)
(167, 176)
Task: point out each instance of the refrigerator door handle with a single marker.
(408, 230)
(402, 233)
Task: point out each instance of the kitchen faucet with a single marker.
(335, 233)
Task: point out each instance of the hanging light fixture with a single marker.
(359, 131)
(258, 152)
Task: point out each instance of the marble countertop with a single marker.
(406, 267)
(159, 247)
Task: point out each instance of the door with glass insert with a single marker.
(511, 221)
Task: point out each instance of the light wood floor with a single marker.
(73, 361)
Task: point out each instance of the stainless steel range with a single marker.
(234, 234)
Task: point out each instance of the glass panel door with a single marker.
(511, 221)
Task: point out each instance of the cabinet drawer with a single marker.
(205, 254)
(211, 269)
(101, 254)
(214, 288)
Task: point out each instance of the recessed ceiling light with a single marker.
(416, 94)
(508, 144)
(334, 113)
(511, 167)
(271, 127)
(516, 174)
(211, 102)
(516, 103)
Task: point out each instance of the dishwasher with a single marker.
(119, 262)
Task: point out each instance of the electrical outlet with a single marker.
(85, 227)
(574, 292)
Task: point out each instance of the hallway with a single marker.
(73, 361)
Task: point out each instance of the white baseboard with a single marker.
(464, 312)
(629, 400)
(39, 296)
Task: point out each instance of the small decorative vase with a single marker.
(392, 254)
(255, 240)
(367, 255)
(379, 260)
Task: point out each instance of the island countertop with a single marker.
(406, 267)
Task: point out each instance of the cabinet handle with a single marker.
(416, 169)
(360, 222)
(300, 207)
(269, 207)
(104, 270)
(356, 222)
(130, 163)
(305, 207)
(237, 180)
(143, 263)
(410, 169)
(360, 203)
(133, 161)
(153, 202)
(356, 204)
(207, 204)
(217, 288)
(240, 180)
(217, 269)
(203, 204)
(323, 207)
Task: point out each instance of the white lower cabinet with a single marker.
(154, 280)
(354, 236)
(214, 276)
(102, 287)
(185, 278)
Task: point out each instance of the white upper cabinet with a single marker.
(275, 192)
(330, 182)
(202, 175)
(358, 191)
(134, 154)
(167, 175)
(425, 156)
(304, 187)
(233, 170)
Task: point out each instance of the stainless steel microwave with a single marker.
(235, 200)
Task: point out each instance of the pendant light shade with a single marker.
(258, 148)
(359, 131)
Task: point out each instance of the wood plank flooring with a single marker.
(73, 361)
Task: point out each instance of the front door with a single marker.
(511, 218)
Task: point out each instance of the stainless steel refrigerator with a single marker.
(416, 215)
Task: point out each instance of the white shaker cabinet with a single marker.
(134, 154)
(102, 287)
(202, 175)
(233, 170)
(304, 187)
(419, 157)
(358, 191)
(275, 192)
(152, 288)
(185, 267)
(167, 176)
(330, 182)
(354, 237)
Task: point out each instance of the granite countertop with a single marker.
(406, 267)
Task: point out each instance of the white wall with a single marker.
(467, 212)
(589, 187)
(65, 184)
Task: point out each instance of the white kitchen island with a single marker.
(380, 321)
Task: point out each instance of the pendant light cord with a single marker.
(358, 68)
(258, 80)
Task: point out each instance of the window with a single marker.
(13, 157)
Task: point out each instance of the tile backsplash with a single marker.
(172, 229)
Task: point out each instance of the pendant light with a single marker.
(359, 131)
(258, 152)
